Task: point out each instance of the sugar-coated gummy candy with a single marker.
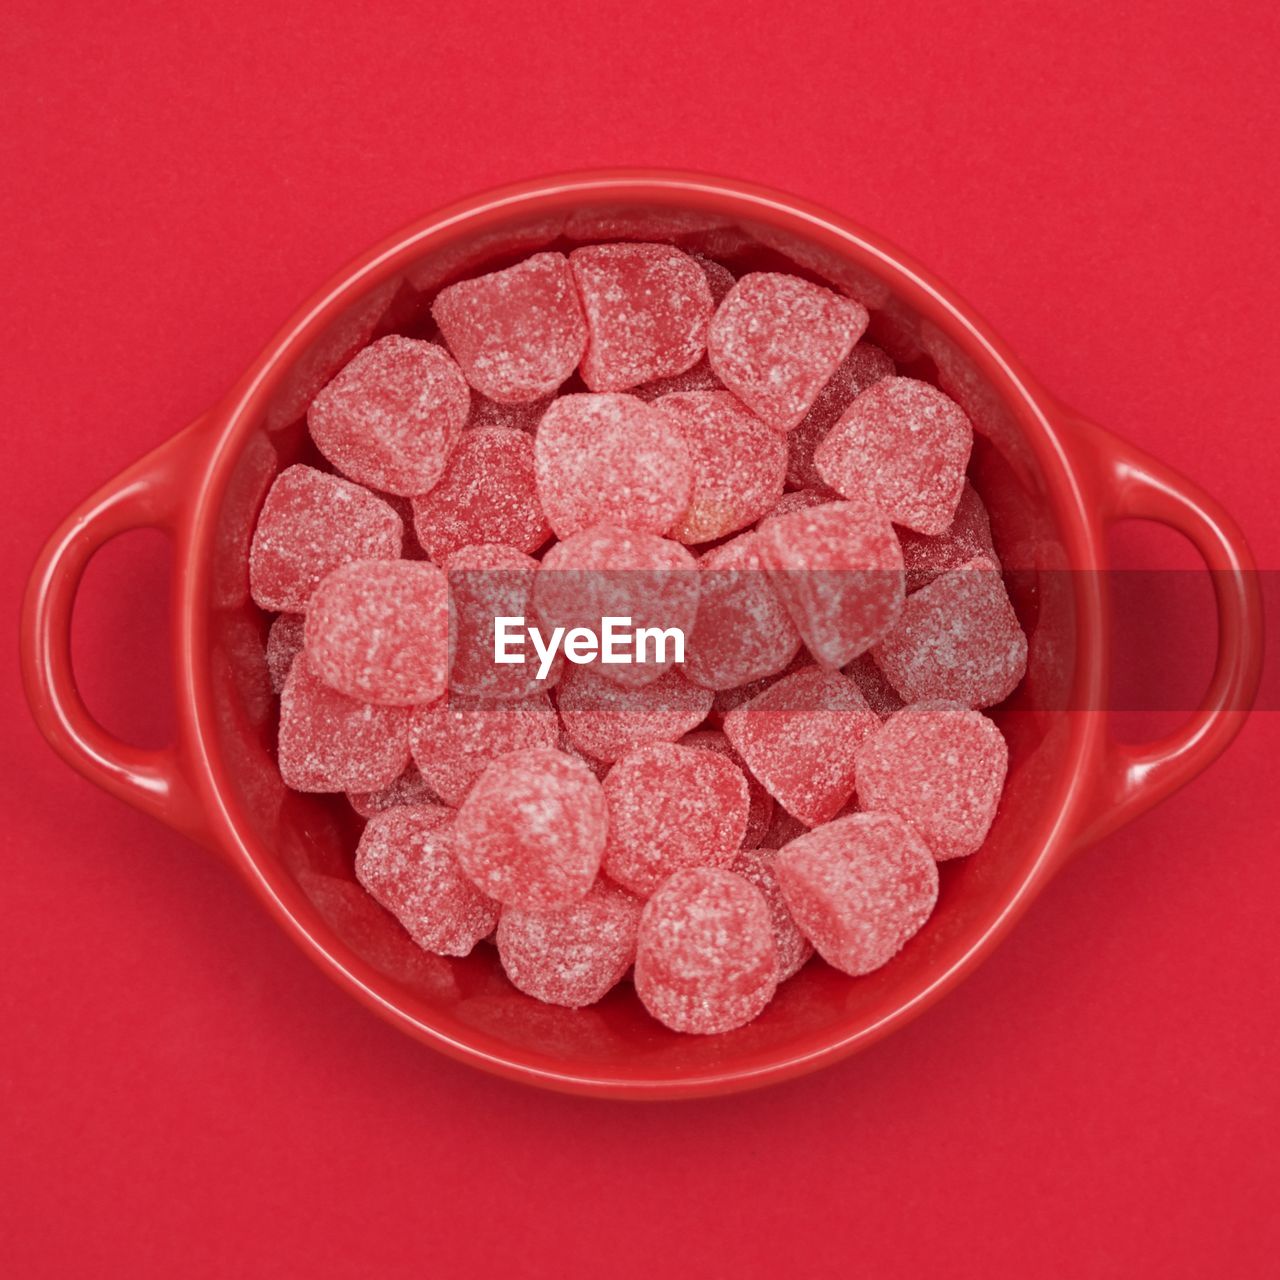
(310, 524)
(743, 632)
(488, 493)
(940, 767)
(859, 888)
(647, 308)
(284, 643)
(605, 720)
(760, 805)
(757, 865)
(719, 278)
(406, 860)
(784, 828)
(902, 446)
(611, 459)
(378, 630)
(455, 739)
(799, 738)
(329, 742)
(706, 960)
(799, 500)
(571, 955)
(881, 696)
(738, 464)
(512, 417)
(776, 340)
(531, 832)
(838, 570)
(957, 639)
(969, 535)
(672, 807)
(517, 333)
(699, 378)
(390, 418)
(409, 788)
(727, 699)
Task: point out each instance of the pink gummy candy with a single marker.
(957, 639)
(611, 459)
(799, 738)
(531, 832)
(743, 632)
(390, 418)
(310, 524)
(329, 742)
(284, 643)
(488, 493)
(572, 955)
(672, 807)
(605, 720)
(738, 464)
(859, 888)
(902, 446)
(881, 696)
(406, 860)
(706, 960)
(776, 340)
(969, 536)
(838, 570)
(757, 865)
(409, 788)
(940, 767)
(699, 378)
(519, 333)
(378, 630)
(647, 308)
(760, 806)
(455, 739)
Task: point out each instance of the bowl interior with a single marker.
(303, 845)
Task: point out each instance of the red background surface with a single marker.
(180, 1091)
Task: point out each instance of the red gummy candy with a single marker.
(706, 960)
(406, 860)
(672, 807)
(719, 278)
(838, 570)
(776, 340)
(611, 459)
(284, 643)
(531, 832)
(902, 446)
(572, 955)
(511, 417)
(699, 378)
(647, 308)
(519, 333)
(859, 888)
(378, 630)
(760, 806)
(757, 865)
(738, 464)
(881, 696)
(310, 524)
(957, 639)
(390, 418)
(798, 500)
(969, 536)
(409, 788)
(940, 767)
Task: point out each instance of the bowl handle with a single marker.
(1121, 482)
(150, 494)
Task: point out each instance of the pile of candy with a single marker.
(628, 429)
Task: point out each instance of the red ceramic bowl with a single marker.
(1053, 484)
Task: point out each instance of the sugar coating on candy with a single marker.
(859, 888)
(406, 860)
(864, 366)
(329, 742)
(757, 865)
(969, 535)
(799, 738)
(606, 720)
(531, 832)
(706, 960)
(512, 417)
(699, 378)
(719, 278)
(409, 788)
(738, 464)
(378, 630)
(940, 767)
(517, 333)
(799, 500)
(760, 805)
(455, 739)
(284, 643)
(743, 632)
(902, 446)
(881, 696)
(957, 639)
(727, 699)
(838, 570)
(647, 308)
(776, 340)
(611, 459)
(311, 523)
(672, 807)
(571, 955)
